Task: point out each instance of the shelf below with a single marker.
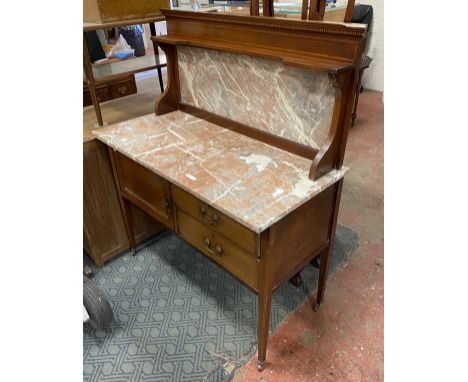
(107, 71)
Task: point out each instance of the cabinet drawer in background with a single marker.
(216, 247)
(144, 188)
(123, 88)
(102, 92)
(216, 220)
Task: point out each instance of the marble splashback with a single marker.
(290, 102)
(248, 180)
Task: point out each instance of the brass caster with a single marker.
(133, 250)
(316, 307)
(260, 365)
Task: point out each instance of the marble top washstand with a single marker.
(252, 182)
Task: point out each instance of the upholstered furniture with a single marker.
(244, 157)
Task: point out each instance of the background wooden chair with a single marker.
(311, 9)
(315, 10)
(267, 8)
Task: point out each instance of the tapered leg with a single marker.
(324, 266)
(265, 281)
(356, 98)
(90, 81)
(156, 56)
(127, 215)
(264, 306)
(325, 257)
(124, 205)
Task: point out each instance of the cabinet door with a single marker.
(104, 234)
(145, 189)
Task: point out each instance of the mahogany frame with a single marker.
(288, 245)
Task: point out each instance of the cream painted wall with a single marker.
(374, 76)
(160, 30)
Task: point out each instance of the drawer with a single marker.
(102, 93)
(216, 247)
(219, 222)
(123, 88)
(145, 189)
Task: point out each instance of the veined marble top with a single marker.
(283, 100)
(254, 183)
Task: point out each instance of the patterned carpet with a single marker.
(178, 317)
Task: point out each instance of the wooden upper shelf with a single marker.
(92, 26)
(322, 46)
(289, 58)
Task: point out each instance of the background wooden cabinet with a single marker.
(112, 89)
(101, 11)
(104, 234)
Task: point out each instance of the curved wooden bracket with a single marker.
(170, 98)
(328, 157)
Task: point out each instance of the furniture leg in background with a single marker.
(265, 294)
(254, 7)
(268, 9)
(365, 63)
(156, 56)
(325, 257)
(90, 81)
(315, 10)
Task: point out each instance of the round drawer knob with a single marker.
(207, 243)
(215, 219)
(218, 250)
(165, 203)
(202, 211)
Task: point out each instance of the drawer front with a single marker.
(145, 189)
(102, 92)
(123, 88)
(219, 222)
(222, 251)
